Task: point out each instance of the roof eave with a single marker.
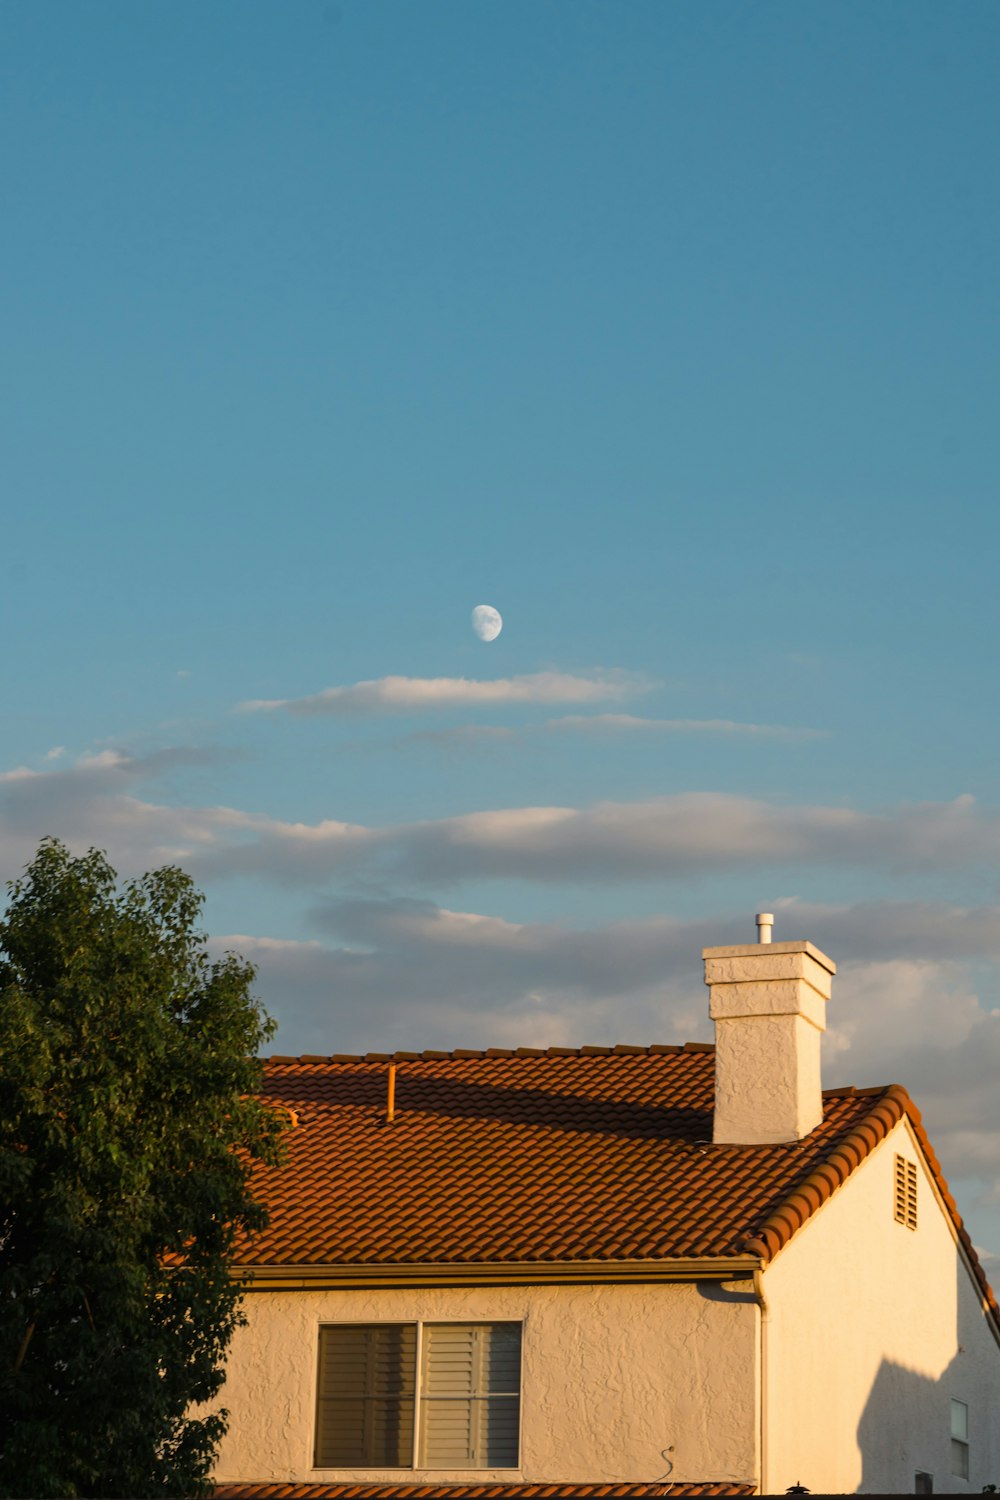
(359, 1276)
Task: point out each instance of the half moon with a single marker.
(486, 622)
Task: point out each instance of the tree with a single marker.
(129, 1123)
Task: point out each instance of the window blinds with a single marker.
(470, 1395)
(366, 1396)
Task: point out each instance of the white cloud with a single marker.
(922, 1024)
(55, 752)
(898, 1005)
(631, 724)
(416, 694)
(19, 773)
(660, 838)
(478, 735)
(408, 974)
(92, 804)
(875, 930)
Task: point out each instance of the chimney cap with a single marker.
(752, 950)
(765, 921)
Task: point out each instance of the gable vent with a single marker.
(906, 1192)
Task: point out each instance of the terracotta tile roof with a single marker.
(594, 1153)
(625, 1491)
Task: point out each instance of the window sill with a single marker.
(413, 1476)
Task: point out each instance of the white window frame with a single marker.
(960, 1411)
(418, 1400)
(418, 1422)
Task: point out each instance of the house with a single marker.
(613, 1270)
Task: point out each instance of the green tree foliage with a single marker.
(128, 1124)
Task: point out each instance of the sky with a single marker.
(667, 329)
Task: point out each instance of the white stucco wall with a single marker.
(612, 1376)
(873, 1328)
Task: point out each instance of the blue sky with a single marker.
(668, 329)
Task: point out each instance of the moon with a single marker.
(486, 622)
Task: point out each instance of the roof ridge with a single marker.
(465, 1054)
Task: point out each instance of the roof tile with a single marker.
(277, 1490)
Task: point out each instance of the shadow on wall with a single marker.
(906, 1430)
(907, 1401)
(915, 1424)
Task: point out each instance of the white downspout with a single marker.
(765, 1318)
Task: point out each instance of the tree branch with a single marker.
(19, 1361)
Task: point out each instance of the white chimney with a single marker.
(768, 1002)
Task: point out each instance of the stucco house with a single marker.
(613, 1270)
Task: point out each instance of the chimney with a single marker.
(768, 1002)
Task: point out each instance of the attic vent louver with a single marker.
(905, 1200)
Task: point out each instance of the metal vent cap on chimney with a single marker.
(765, 921)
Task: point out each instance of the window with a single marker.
(366, 1396)
(905, 1199)
(448, 1393)
(923, 1483)
(470, 1381)
(960, 1439)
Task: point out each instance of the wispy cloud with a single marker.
(93, 803)
(474, 736)
(631, 724)
(872, 931)
(661, 838)
(110, 766)
(416, 694)
(407, 973)
(624, 980)
(458, 737)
